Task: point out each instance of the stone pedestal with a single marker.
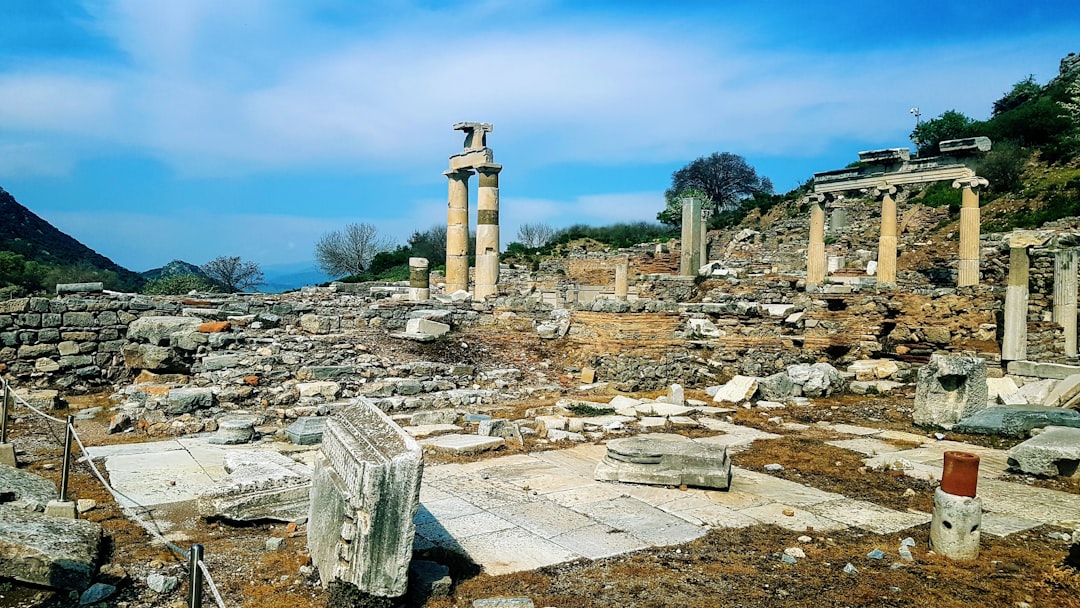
(886, 270)
(1014, 341)
(968, 271)
(1065, 296)
(419, 280)
(487, 231)
(457, 231)
(61, 508)
(815, 256)
(622, 269)
(955, 527)
(7, 454)
(690, 258)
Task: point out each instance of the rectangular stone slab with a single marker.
(50, 551)
(365, 493)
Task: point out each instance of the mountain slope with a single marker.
(24, 233)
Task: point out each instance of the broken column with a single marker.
(690, 258)
(364, 495)
(487, 231)
(948, 389)
(886, 270)
(419, 280)
(457, 231)
(815, 255)
(968, 271)
(838, 220)
(622, 269)
(703, 241)
(957, 518)
(1065, 296)
(1014, 340)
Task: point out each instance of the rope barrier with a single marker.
(117, 495)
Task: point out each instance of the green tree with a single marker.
(723, 179)
(1021, 92)
(430, 244)
(950, 125)
(233, 274)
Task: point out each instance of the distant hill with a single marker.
(279, 278)
(60, 257)
(174, 268)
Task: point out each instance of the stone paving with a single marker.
(523, 512)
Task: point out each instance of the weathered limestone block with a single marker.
(24, 488)
(817, 380)
(364, 496)
(306, 431)
(159, 331)
(260, 485)
(50, 551)
(44, 399)
(949, 389)
(235, 429)
(426, 326)
(319, 324)
(1055, 451)
(670, 460)
(148, 356)
(184, 400)
(322, 388)
(737, 390)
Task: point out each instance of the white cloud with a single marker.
(217, 88)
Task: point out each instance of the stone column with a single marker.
(1014, 342)
(419, 280)
(1065, 296)
(838, 221)
(690, 260)
(703, 255)
(457, 232)
(487, 231)
(815, 255)
(886, 269)
(968, 272)
(622, 269)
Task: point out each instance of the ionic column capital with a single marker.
(462, 175)
(884, 190)
(974, 182)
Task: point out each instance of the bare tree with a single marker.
(535, 235)
(349, 251)
(233, 273)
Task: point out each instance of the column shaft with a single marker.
(968, 271)
(457, 232)
(622, 269)
(487, 231)
(886, 270)
(815, 255)
(689, 260)
(419, 280)
(1014, 341)
(1065, 296)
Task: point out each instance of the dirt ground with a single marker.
(740, 567)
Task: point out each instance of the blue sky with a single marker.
(155, 130)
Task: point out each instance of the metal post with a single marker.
(4, 412)
(67, 458)
(195, 580)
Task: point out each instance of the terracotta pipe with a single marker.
(961, 473)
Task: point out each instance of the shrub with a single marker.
(176, 285)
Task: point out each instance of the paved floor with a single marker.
(526, 511)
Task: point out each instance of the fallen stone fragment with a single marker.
(1016, 420)
(737, 390)
(949, 389)
(96, 593)
(162, 583)
(665, 461)
(504, 602)
(234, 430)
(260, 485)
(24, 486)
(49, 551)
(462, 444)
(1055, 451)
